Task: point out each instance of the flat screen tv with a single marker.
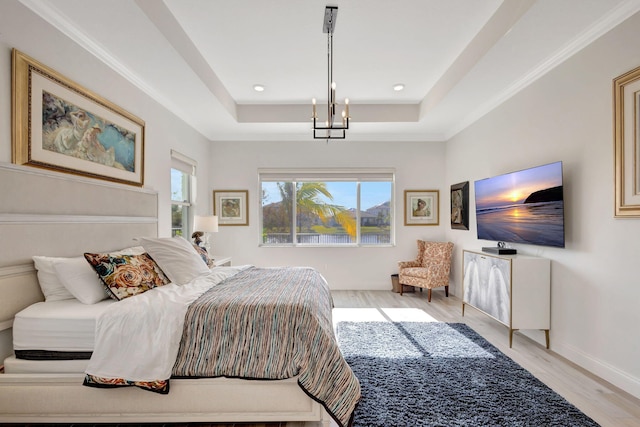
(526, 206)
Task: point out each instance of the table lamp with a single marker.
(202, 226)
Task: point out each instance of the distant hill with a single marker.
(553, 194)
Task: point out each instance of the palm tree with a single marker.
(309, 204)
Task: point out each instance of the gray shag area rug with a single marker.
(445, 374)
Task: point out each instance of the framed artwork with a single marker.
(59, 125)
(231, 207)
(626, 99)
(421, 207)
(460, 206)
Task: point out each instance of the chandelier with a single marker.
(332, 129)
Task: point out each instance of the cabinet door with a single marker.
(487, 285)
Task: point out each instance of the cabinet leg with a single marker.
(462, 309)
(510, 337)
(546, 336)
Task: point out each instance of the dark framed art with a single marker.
(61, 126)
(460, 206)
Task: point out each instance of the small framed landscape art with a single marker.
(231, 207)
(421, 207)
(61, 126)
(460, 206)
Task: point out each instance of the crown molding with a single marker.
(624, 11)
(51, 15)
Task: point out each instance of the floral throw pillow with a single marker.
(127, 275)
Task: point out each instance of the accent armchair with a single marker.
(430, 269)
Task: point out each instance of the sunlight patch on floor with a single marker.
(408, 315)
(381, 315)
(357, 315)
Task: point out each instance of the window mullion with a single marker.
(358, 220)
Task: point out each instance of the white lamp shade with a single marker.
(206, 224)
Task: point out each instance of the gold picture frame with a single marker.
(626, 100)
(421, 207)
(62, 126)
(231, 207)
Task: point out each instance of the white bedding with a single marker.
(145, 330)
(66, 325)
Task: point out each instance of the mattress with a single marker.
(57, 329)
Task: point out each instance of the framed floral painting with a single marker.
(61, 126)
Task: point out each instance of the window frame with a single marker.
(358, 176)
(187, 166)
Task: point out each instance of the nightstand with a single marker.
(221, 261)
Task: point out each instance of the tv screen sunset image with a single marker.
(522, 207)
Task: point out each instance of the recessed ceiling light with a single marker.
(258, 88)
(398, 87)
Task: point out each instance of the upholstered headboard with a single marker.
(44, 213)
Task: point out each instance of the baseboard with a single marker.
(602, 370)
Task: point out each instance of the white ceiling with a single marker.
(458, 59)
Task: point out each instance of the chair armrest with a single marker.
(408, 264)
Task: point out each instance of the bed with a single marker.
(37, 389)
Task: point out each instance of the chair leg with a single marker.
(401, 287)
(428, 295)
(446, 291)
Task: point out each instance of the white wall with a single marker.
(419, 166)
(567, 115)
(21, 29)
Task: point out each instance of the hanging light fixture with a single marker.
(332, 129)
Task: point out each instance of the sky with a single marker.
(344, 193)
(514, 188)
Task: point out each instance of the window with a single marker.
(182, 193)
(326, 208)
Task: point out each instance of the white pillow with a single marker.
(176, 257)
(133, 250)
(51, 286)
(77, 275)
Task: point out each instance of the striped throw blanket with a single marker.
(270, 323)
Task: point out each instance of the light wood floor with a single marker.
(603, 402)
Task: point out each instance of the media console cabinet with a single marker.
(513, 289)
